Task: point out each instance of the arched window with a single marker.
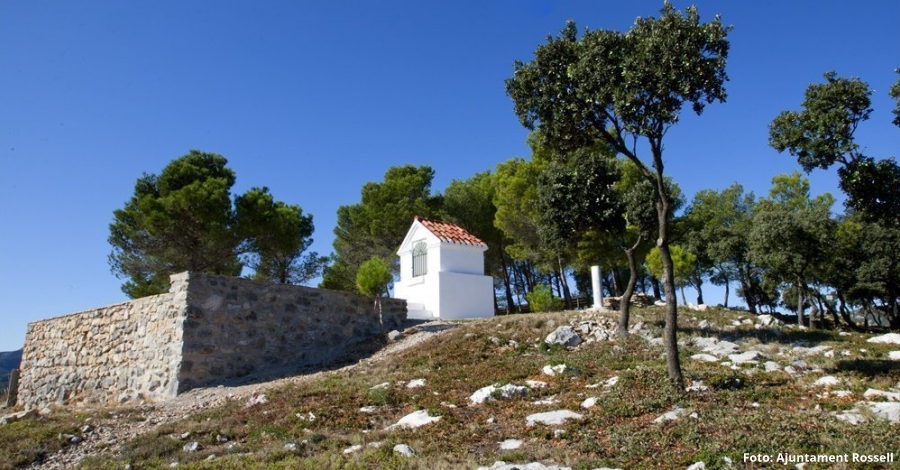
(419, 260)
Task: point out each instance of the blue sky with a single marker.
(315, 99)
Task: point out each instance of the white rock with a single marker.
(512, 391)
(416, 383)
(482, 394)
(353, 449)
(810, 351)
(414, 420)
(552, 417)
(368, 409)
(894, 355)
(771, 366)
(507, 391)
(842, 393)
(551, 400)
(697, 466)
(670, 415)
(827, 381)
(501, 465)
(558, 369)
(394, 335)
(767, 320)
(850, 416)
(192, 447)
(535, 384)
(610, 382)
(749, 357)
(892, 396)
(380, 386)
(404, 450)
(563, 336)
(589, 402)
(890, 338)
(703, 357)
(256, 399)
(510, 444)
(697, 386)
(705, 324)
(886, 410)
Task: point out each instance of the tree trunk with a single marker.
(670, 335)
(698, 282)
(625, 301)
(799, 303)
(567, 294)
(510, 303)
(683, 297)
(845, 313)
(726, 294)
(617, 282)
(657, 294)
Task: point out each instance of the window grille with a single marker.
(420, 260)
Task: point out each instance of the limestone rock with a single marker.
(703, 357)
(672, 415)
(510, 444)
(404, 450)
(827, 381)
(890, 338)
(552, 418)
(563, 336)
(414, 420)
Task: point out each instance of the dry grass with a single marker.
(757, 413)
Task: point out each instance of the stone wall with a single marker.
(122, 353)
(236, 327)
(206, 330)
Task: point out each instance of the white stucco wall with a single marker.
(453, 287)
(464, 259)
(465, 296)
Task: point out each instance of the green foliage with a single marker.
(374, 277)
(276, 235)
(682, 263)
(717, 226)
(179, 220)
(791, 234)
(822, 134)
(516, 196)
(895, 94)
(576, 90)
(577, 195)
(542, 300)
(183, 220)
(377, 224)
(618, 88)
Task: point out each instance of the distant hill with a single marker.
(8, 361)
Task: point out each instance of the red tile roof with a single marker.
(450, 233)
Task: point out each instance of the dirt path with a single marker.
(105, 435)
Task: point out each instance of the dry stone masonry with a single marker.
(206, 330)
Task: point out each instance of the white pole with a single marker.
(597, 287)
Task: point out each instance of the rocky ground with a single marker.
(103, 434)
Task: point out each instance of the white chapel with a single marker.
(442, 273)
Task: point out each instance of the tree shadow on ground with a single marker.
(353, 355)
(869, 368)
(765, 335)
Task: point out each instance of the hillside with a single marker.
(468, 395)
(8, 361)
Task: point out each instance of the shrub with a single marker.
(542, 300)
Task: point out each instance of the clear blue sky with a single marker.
(316, 99)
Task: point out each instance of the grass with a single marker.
(310, 425)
